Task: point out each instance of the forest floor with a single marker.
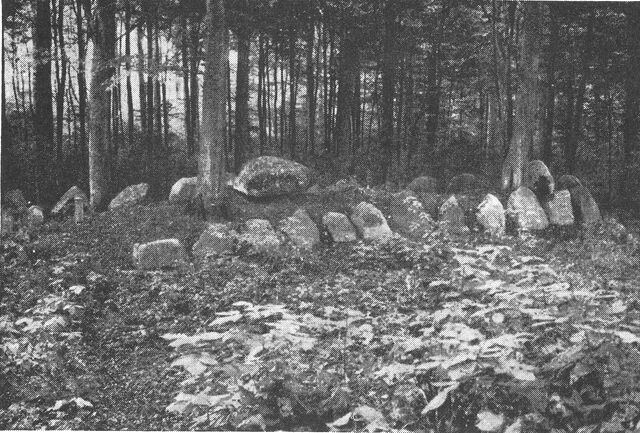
(519, 334)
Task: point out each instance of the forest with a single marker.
(320, 215)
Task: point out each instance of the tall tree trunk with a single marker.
(62, 83)
(550, 94)
(157, 92)
(194, 68)
(311, 89)
(508, 71)
(152, 70)
(262, 128)
(142, 87)
(388, 87)
(127, 53)
(242, 95)
(292, 91)
(631, 126)
(102, 71)
(212, 143)
(184, 52)
(527, 102)
(347, 72)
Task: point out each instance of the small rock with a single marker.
(15, 199)
(35, 216)
(423, 184)
(491, 216)
(408, 214)
(538, 179)
(184, 190)
(159, 254)
(370, 222)
(525, 210)
(260, 236)
(69, 197)
(451, 217)
(301, 229)
(567, 181)
(465, 183)
(558, 208)
(133, 194)
(585, 208)
(216, 239)
(339, 227)
(268, 176)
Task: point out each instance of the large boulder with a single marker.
(524, 209)
(15, 199)
(35, 216)
(214, 240)
(567, 181)
(585, 208)
(69, 198)
(159, 254)
(339, 227)
(558, 208)
(301, 230)
(451, 217)
(268, 176)
(259, 235)
(370, 222)
(490, 215)
(466, 183)
(133, 194)
(409, 216)
(538, 179)
(423, 184)
(184, 190)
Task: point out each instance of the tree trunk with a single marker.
(142, 88)
(184, 52)
(157, 91)
(212, 129)
(151, 75)
(311, 90)
(262, 127)
(347, 72)
(632, 100)
(195, 85)
(527, 102)
(127, 53)
(102, 72)
(292, 91)
(242, 96)
(550, 94)
(388, 87)
(62, 83)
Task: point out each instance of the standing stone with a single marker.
(214, 240)
(423, 184)
(431, 202)
(568, 181)
(451, 217)
(339, 227)
(491, 216)
(268, 176)
(525, 210)
(465, 183)
(15, 199)
(69, 196)
(585, 208)
(370, 222)
(558, 208)
(6, 222)
(301, 230)
(260, 236)
(538, 179)
(159, 254)
(408, 214)
(35, 216)
(133, 194)
(184, 190)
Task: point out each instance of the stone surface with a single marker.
(159, 254)
(409, 216)
(538, 179)
(35, 216)
(314, 189)
(370, 222)
(268, 176)
(215, 240)
(15, 199)
(133, 194)
(451, 217)
(524, 209)
(465, 183)
(6, 222)
(567, 181)
(490, 215)
(339, 227)
(301, 230)
(585, 209)
(423, 184)
(184, 190)
(343, 185)
(69, 197)
(558, 208)
(260, 236)
(431, 202)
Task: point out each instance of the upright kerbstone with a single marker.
(133, 194)
(559, 209)
(339, 227)
(451, 217)
(524, 209)
(268, 176)
(215, 240)
(260, 236)
(538, 179)
(35, 216)
(423, 184)
(409, 216)
(491, 215)
(184, 190)
(585, 208)
(370, 222)
(567, 181)
(68, 198)
(301, 230)
(164, 253)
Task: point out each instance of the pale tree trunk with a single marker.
(102, 70)
(631, 125)
(242, 94)
(213, 125)
(527, 100)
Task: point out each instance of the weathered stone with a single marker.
(69, 197)
(423, 184)
(490, 215)
(159, 254)
(431, 202)
(524, 209)
(465, 183)
(339, 227)
(538, 179)
(15, 199)
(568, 181)
(215, 240)
(409, 216)
(314, 189)
(184, 190)
(451, 217)
(585, 208)
(260, 236)
(343, 185)
(268, 176)
(6, 222)
(370, 222)
(35, 216)
(133, 194)
(558, 208)
(301, 230)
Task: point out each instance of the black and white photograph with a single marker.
(320, 215)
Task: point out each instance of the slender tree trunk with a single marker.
(151, 76)
(283, 96)
(184, 52)
(275, 92)
(127, 53)
(267, 94)
(142, 88)
(195, 85)
(388, 88)
(311, 89)
(631, 126)
(102, 71)
(292, 91)
(347, 72)
(62, 83)
(261, 94)
(157, 91)
(242, 96)
(508, 72)
(549, 110)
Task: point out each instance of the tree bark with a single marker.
(194, 68)
(347, 72)
(184, 52)
(630, 126)
(142, 87)
(242, 96)
(62, 82)
(388, 87)
(292, 90)
(127, 53)
(311, 89)
(550, 94)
